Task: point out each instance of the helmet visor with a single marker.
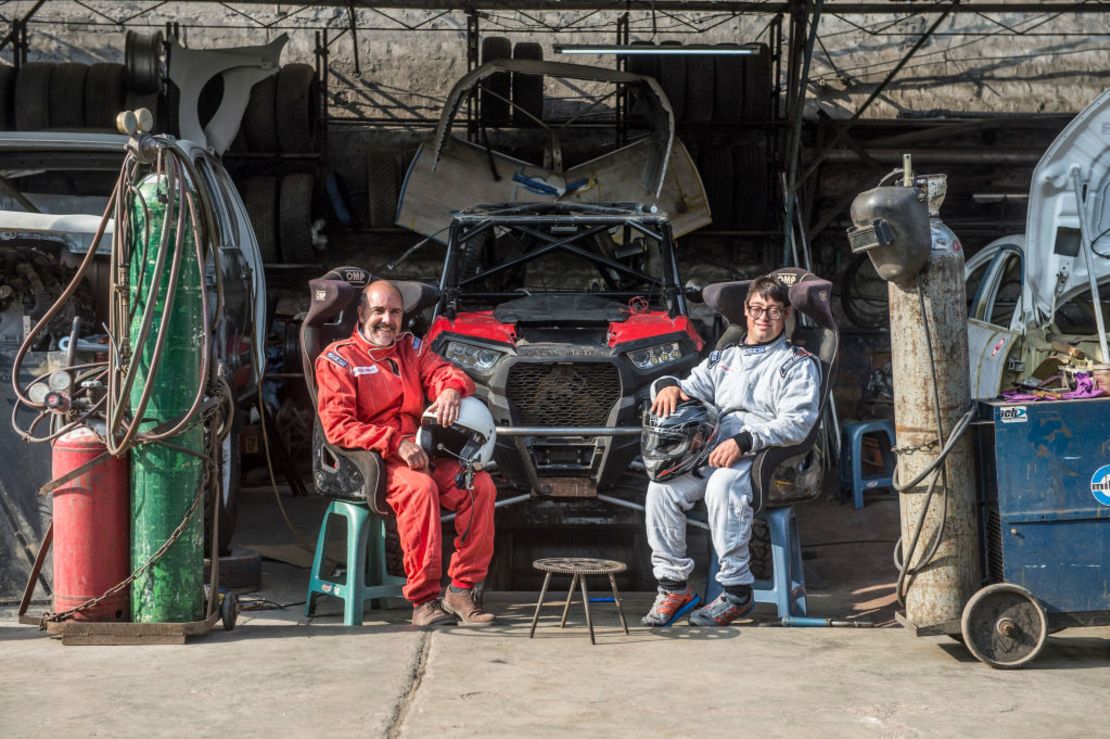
(656, 443)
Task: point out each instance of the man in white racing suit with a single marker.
(767, 393)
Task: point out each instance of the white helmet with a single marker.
(470, 438)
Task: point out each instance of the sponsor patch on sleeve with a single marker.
(367, 370)
(416, 343)
(337, 359)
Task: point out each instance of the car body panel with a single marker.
(1055, 263)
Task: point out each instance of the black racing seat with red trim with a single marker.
(809, 296)
(351, 474)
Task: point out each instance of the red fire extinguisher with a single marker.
(92, 543)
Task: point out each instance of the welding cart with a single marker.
(1044, 526)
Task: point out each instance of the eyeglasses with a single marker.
(755, 311)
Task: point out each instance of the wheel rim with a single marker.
(1004, 626)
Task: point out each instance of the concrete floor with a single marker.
(278, 673)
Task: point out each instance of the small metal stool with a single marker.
(578, 568)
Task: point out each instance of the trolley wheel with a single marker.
(1004, 626)
(229, 610)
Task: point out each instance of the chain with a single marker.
(213, 439)
(911, 448)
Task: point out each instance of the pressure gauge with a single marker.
(60, 381)
(37, 392)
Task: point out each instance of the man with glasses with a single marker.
(767, 393)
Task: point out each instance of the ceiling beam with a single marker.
(893, 7)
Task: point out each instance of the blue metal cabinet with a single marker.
(1045, 503)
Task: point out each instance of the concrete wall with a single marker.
(973, 64)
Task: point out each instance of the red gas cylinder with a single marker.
(92, 543)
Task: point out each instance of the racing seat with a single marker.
(809, 296)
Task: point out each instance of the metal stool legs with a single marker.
(578, 579)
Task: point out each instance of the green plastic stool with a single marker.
(361, 528)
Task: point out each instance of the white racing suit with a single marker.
(768, 395)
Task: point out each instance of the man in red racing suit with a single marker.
(371, 390)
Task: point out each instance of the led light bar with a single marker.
(645, 49)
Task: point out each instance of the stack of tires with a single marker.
(67, 96)
(281, 211)
(283, 118)
(515, 99)
(712, 96)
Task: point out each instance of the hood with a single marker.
(662, 117)
(1055, 264)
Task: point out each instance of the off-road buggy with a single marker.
(564, 314)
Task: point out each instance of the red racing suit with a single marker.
(372, 397)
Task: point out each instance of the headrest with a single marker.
(339, 288)
(809, 295)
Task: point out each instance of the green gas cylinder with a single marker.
(164, 480)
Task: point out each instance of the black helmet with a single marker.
(678, 443)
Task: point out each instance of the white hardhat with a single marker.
(470, 438)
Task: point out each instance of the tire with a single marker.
(394, 557)
(751, 206)
(671, 74)
(295, 219)
(757, 86)
(297, 104)
(229, 464)
(700, 90)
(143, 56)
(495, 110)
(104, 94)
(258, 121)
(728, 83)
(240, 569)
(383, 187)
(527, 88)
(717, 175)
(863, 295)
(260, 197)
(759, 549)
(67, 95)
(7, 98)
(32, 96)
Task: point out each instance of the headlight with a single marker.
(656, 356)
(470, 357)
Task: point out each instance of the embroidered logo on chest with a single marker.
(369, 370)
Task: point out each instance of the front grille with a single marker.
(996, 569)
(563, 394)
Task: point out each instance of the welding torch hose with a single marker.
(173, 164)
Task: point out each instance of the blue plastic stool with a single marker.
(787, 587)
(851, 464)
(365, 537)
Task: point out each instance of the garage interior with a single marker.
(781, 113)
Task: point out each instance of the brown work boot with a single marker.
(432, 613)
(465, 604)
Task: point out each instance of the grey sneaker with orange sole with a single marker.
(724, 609)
